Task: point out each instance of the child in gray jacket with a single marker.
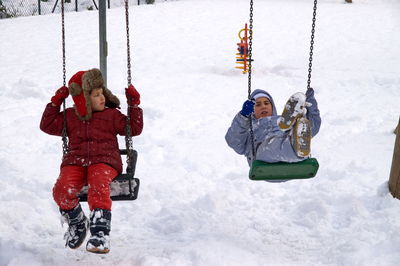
(285, 138)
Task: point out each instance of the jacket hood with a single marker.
(255, 92)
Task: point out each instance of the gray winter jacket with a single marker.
(271, 143)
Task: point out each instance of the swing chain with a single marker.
(127, 41)
(312, 44)
(249, 75)
(128, 143)
(63, 42)
(128, 137)
(64, 131)
(250, 46)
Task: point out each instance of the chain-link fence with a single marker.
(17, 8)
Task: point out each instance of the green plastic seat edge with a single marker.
(283, 171)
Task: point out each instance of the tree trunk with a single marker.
(394, 179)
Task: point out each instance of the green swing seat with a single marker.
(283, 171)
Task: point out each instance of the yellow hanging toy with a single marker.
(242, 57)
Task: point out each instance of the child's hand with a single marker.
(310, 92)
(248, 108)
(132, 95)
(61, 94)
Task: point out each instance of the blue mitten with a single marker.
(248, 108)
(310, 92)
(309, 97)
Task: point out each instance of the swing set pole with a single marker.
(103, 49)
(394, 179)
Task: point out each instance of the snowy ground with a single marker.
(196, 204)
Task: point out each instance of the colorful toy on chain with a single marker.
(242, 57)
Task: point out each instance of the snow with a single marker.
(196, 204)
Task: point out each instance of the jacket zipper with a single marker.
(88, 142)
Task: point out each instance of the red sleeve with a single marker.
(52, 120)
(136, 115)
(136, 119)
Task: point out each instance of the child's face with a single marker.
(262, 108)
(97, 100)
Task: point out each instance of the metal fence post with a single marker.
(54, 7)
(103, 39)
(39, 8)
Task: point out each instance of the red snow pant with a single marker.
(71, 180)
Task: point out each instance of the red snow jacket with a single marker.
(95, 140)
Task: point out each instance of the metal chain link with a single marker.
(312, 44)
(250, 47)
(64, 131)
(249, 75)
(127, 42)
(128, 137)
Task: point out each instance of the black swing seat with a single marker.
(124, 187)
(283, 171)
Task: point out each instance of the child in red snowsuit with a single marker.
(93, 156)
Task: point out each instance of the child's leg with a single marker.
(70, 182)
(99, 178)
(276, 145)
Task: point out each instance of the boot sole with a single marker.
(287, 120)
(301, 139)
(98, 250)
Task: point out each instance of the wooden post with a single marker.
(394, 179)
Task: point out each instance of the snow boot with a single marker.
(100, 226)
(301, 137)
(295, 107)
(77, 226)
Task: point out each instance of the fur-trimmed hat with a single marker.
(80, 86)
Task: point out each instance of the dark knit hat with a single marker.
(80, 86)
